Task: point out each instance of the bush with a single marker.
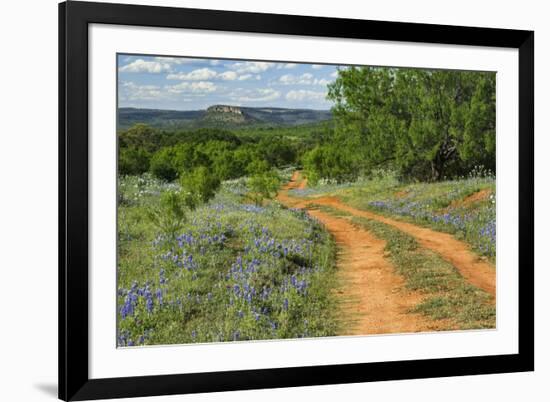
(163, 164)
(330, 162)
(169, 162)
(133, 161)
(263, 185)
(198, 186)
(170, 216)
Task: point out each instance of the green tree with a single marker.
(133, 161)
(243, 156)
(170, 216)
(263, 185)
(426, 124)
(257, 166)
(227, 166)
(198, 186)
(277, 151)
(168, 162)
(331, 162)
(141, 136)
(163, 164)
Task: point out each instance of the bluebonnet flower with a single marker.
(127, 308)
(148, 300)
(159, 297)
(123, 338)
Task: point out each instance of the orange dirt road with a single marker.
(374, 297)
(475, 270)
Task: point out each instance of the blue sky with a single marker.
(179, 83)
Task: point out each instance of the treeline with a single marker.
(426, 125)
(422, 124)
(168, 154)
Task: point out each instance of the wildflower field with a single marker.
(234, 271)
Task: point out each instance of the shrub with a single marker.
(163, 164)
(198, 186)
(170, 216)
(263, 185)
(133, 161)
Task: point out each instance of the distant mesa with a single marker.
(224, 109)
(226, 114)
(223, 116)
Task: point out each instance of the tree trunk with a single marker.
(436, 170)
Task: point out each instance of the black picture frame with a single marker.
(74, 18)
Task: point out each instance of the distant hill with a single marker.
(224, 116)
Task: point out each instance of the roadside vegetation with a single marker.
(229, 271)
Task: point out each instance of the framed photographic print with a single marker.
(257, 200)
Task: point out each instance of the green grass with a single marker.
(234, 271)
(448, 295)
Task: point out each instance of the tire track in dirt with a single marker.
(373, 296)
(476, 271)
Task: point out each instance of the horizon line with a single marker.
(223, 104)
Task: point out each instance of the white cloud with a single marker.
(142, 66)
(196, 75)
(287, 79)
(334, 74)
(228, 76)
(303, 94)
(251, 67)
(130, 91)
(245, 77)
(200, 87)
(316, 66)
(214, 62)
(203, 86)
(203, 74)
(254, 95)
(304, 79)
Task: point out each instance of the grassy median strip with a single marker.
(448, 295)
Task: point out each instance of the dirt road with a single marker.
(374, 297)
(474, 269)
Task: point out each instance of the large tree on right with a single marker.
(427, 124)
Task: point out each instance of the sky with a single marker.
(178, 83)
